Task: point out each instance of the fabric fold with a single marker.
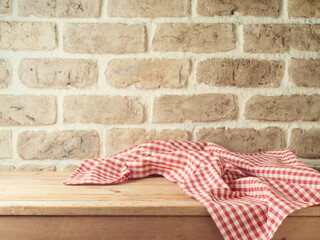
(247, 195)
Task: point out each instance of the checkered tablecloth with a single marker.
(247, 195)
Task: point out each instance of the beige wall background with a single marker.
(83, 78)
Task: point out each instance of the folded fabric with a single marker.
(247, 195)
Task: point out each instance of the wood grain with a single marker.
(136, 228)
(43, 193)
(37, 205)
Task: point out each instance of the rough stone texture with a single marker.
(277, 38)
(4, 74)
(197, 108)
(60, 8)
(311, 163)
(27, 36)
(16, 110)
(27, 167)
(148, 9)
(7, 168)
(305, 37)
(58, 144)
(245, 140)
(102, 109)
(240, 72)
(129, 57)
(104, 38)
(5, 7)
(69, 167)
(305, 72)
(5, 144)
(35, 168)
(306, 142)
(199, 38)
(266, 38)
(119, 139)
(259, 8)
(284, 108)
(304, 8)
(147, 73)
(58, 73)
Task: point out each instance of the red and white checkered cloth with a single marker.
(247, 195)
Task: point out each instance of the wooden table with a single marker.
(36, 205)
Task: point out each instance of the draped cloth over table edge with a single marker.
(247, 195)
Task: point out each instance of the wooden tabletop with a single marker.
(43, 193)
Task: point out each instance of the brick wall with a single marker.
(88, 78)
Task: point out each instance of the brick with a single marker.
(5, 7)
(102, 109)
(304, 8)
(58, 73)
(35, 168)
(305, 72)
(258, 8)
(148, 9)
(16, 110)
(27, 36)
(305, 142)
(104, 38)
(5, 144)
(189, 37)
(240, 72)
(69, 167)
(245, 140)
(5, 74)
(119, 139)
(305, 37)
(7, 168)
(197, 108)
(147, 73)
(311, 163)
(58, 144)
(277, 38)
(266, 38)
(60, 8)
(284, 108)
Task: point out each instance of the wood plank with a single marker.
(117, 209)
(105, 228)
(136, 228)
(298, 228)
(42, 193)
(72, 209)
